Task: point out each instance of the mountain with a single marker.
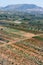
(23, 7)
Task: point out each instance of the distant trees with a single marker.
(11, 24)
(38, 25)
(1, 28)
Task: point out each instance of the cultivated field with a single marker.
(20, 48)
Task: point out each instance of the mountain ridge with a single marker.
(22, 7)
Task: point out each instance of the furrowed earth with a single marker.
(20, 47)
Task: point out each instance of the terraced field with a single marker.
(20, 47)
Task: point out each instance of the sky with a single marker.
(4, 3)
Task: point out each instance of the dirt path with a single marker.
(27, 50)
(27, 36)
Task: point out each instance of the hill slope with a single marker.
(23, 7)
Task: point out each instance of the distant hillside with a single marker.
(30, 8)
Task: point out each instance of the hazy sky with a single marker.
(8, 2)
